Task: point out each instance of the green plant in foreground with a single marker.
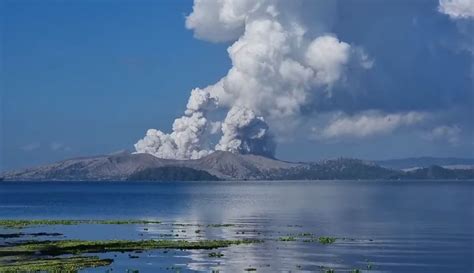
(61, 247)
(216, 255)
(220, 225)
(326, 240)
(27, 223)
(54, 265)
(287, 239)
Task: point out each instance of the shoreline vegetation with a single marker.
(62, 247)
(43, 255)
(73, 255)
(42, 222)
(68, 264)
(48, 255)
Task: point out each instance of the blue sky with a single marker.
(90, 77)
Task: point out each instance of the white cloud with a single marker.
(462, 12)
(451, 134)
(457, 9)
(367, 124)
(276, 68)
(328, 57)
(219, 20)
(31, 147)
(58, 146)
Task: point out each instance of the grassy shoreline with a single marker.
(12, 223)
(69, 264)
(74, 255)
(46, 256)
(61, 247)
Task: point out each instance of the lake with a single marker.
(384, 226)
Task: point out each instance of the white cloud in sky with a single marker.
(449, 133)
(328, 56)
(31, 147)
(457, 9)
(53, 146)
(367, 124)
(58, 146)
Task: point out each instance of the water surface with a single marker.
(388, 226)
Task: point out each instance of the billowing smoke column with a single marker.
(186, 140)
(245, 133)
(276, 71)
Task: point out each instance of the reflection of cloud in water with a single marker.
(365, 211)
(249, 223)
(400, 217)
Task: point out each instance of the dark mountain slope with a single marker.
(171, 173)
(235, 166)
(218, 165)
(121, 166)
(105, 167)
(437, 172)
(337, 169)
(424, 162)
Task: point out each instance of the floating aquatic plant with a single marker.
(81, 246)
(27, 223)
(326, 240)
(70, 264)
(287, 239)
(215, 255)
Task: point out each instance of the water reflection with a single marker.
(387, 226)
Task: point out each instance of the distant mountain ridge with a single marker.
(223, 166)
(342, 168)
(424, 162)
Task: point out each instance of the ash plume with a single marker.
(245, 133)
(187, 141)
(283, 60)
